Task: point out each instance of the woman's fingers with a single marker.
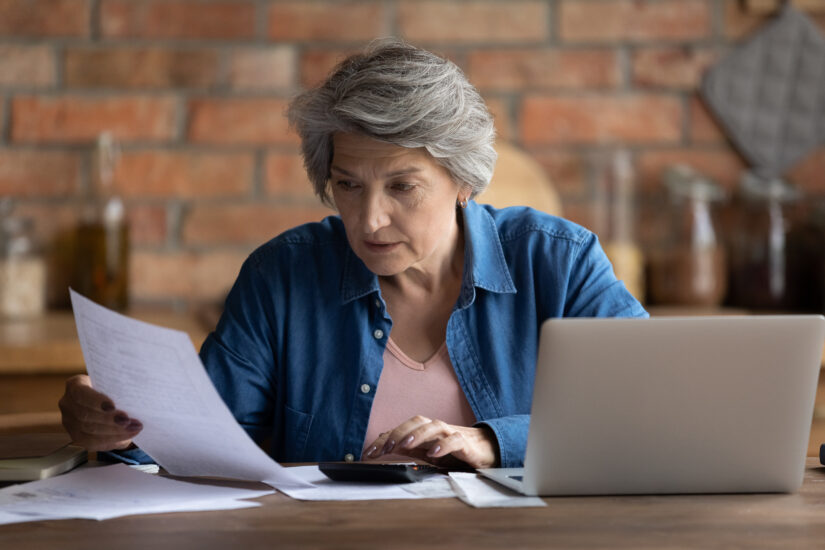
(439, 442)
(91, 418)
(79, 390)
(399, 435)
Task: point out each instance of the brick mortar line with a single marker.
(175, 215)
(261, 20)
(95, 28)
(223, 70)
(84, 177)
(391, 17)
(258, 189)
(5, 118)
(59, 68)
(553, 30)
(638, 148)
(717, 22)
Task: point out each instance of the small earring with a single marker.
(462, 203)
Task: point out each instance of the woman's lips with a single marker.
(374, 246)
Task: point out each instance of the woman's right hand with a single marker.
(92, 420)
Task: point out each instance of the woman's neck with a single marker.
(436, 274)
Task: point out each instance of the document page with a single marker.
(154, 375)
(113, 491)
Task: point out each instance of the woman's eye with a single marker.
(402, 187)
(346, 185)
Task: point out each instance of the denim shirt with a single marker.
(298, 352)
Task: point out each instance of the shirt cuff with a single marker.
(130, 456)
(511, 434)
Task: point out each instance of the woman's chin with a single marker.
(383, 265)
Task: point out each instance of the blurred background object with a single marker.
(688, 265)
(519, 180)
(614, 218)
(22, 267)
(100, 261)
(194, 92)
(761, 268)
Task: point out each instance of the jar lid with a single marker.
(683, 182)
(756, 187)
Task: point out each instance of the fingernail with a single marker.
(434, 450)
(134, 425)
(372, 450)
(388, 446)
(107, 406)
(121, 419)
(407, 441)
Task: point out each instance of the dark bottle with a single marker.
(101, 262)
(761, 274)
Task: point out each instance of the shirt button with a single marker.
(378, 303)
(365, 388)
(349, 457)
(378, 334)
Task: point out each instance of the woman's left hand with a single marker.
(439, 443)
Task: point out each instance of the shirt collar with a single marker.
(484, 264)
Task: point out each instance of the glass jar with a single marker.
(760, 267)
(22, 269)
(614, 217)
(688, 267)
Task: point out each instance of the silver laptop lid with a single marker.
(673, 405)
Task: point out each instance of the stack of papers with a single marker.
(154, 375)
(112, 491)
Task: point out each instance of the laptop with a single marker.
(670, 405)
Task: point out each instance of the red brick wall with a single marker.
(195, 90)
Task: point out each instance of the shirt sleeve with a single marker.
(593, 290)
(511, 436)
(233, 355)
(238, 355)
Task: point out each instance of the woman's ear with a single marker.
(464, 193)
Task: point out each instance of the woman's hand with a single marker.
(439, 443)
(92, 420)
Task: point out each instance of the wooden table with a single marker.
(717, 521)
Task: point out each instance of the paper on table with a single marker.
(326, 489)
(154, 374)
(481, 493)
(113, 491)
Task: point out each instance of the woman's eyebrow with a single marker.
(339, 169)
(394, 173)
(403, 172)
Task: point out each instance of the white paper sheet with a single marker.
(324, 488)
(483, 493)
(113, 491)
(154, 375)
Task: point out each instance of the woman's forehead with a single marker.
(356, 147)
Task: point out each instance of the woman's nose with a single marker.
(375, 213)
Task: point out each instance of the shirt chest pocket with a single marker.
(296, 434)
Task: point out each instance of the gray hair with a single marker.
(397, 93)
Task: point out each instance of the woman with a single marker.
(407, 325)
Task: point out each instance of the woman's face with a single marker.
(397, 204)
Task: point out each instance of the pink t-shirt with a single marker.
(407, 388)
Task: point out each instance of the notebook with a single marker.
(26, 457)
(670, 405)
